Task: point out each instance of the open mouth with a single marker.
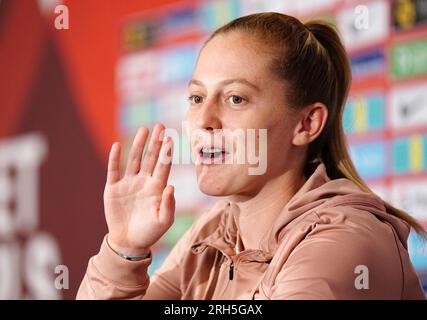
(210, 155)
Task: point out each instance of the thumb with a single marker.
(167, 207)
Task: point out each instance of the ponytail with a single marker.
(335, 153)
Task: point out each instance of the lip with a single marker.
(217, 159)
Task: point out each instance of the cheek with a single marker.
(190, 124)
(279, 140)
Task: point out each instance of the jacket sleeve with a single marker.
(109, 276)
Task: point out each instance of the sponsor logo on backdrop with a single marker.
(364, 113)
(409, 59)
(367, 64)
(145, 31)
(370, 159)
(409, 13)
(410, 154)
(213, 14)
(409, 106)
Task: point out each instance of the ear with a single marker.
(310, 124)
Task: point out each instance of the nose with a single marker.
(208, 117)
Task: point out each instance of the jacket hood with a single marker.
(317, 193)
(320, 192)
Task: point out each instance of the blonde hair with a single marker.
(312, 61)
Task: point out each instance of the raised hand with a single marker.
(139, 205)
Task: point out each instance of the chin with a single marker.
(214, 190)
(219, 181)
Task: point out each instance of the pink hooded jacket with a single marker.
(331, 241)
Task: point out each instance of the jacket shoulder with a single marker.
(344, 253)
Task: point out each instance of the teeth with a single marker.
(211, 150)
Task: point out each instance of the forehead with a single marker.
(234, 54)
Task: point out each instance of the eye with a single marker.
(236, 100)
(195, 99)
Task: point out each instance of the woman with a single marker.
(307, 228)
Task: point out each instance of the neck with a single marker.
(261, 209)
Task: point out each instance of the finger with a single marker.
(150, 158)
(135, 154)
(167, 207)
(164, 163)
(113, 171)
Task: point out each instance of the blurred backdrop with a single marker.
(77, 75)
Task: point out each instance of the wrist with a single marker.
(132, 254)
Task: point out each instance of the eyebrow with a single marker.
(225, 82)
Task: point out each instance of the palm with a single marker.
(139, 207)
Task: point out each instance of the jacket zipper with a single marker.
(231, 265)
(231, 271)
